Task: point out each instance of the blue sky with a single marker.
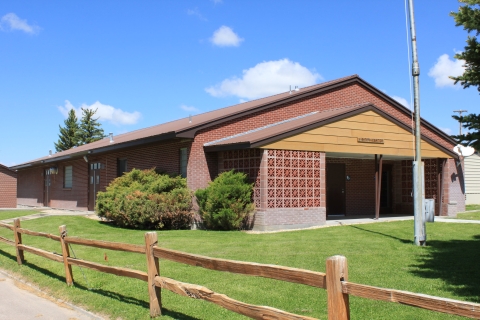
(142, 63)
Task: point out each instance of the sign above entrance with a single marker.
(370, 140)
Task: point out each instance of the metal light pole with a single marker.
(419, 228)
(460, 121)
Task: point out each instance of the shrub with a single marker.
(144, 199)
(227, 201)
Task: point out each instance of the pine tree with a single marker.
(90, 128)
(468, 16)
(472, 123)
(67, 138)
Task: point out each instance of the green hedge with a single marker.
(144, 199)
(226, 203)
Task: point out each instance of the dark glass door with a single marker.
(335, 189)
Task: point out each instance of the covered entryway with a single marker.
(368, 162)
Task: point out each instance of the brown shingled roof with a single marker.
(183, 128)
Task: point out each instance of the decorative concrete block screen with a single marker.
(295, 179)
(246, 161)
(431, 179)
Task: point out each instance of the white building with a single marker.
(472, 179)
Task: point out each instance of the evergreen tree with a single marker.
(90, 128)
(472, 123)
(67, 138)
(468, 16)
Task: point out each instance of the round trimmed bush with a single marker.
(144, 199)
(226, 203)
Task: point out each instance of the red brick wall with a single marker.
(200, 173)
(454, 188)
(75, 198)
(360, 190)
(164, 156)
(30, 186)
(8, 188)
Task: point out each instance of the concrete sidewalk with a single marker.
(47, 212)
(340, 221)
(19, 300)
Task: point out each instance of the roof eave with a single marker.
(112, 147)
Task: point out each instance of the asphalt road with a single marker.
(22, 302)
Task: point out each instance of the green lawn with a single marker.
(8, 214)
(380, 254)
(470, 207)
(469, 215)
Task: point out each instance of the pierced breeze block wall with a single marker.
(8, 188)
(289, 186)
(294, 190)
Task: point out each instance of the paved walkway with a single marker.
(47, 212)
(22, 301)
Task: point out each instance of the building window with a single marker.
(183, 162)
(67, 177)
(121, 167)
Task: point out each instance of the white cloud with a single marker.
(104, 113)
(444, 68)
(11, 22)
(189, 108)
(195, 12)
(217, 1)
(225, 37)
(446, 130)
(402, 101)
(266, 78)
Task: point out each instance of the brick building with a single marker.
(8, 187)
(322, 150)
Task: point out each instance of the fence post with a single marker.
(153, 270)
(66, 254)
(18, 240)
(337, 271)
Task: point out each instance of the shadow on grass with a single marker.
(382, 234)
(104, 293)
(456, 262)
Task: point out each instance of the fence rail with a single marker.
(334, 280)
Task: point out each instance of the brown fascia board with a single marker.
(5, 167)
(316, 124)
(190, 132)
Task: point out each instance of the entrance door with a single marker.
(46, 187)
(386, 191)
(335, 188)
(93, 184)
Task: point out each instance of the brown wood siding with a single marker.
(342, 136)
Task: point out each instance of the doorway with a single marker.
(93, 184)
(47, 183)
(335, 189)
(386, 191)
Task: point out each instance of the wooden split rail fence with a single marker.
(335, 280)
